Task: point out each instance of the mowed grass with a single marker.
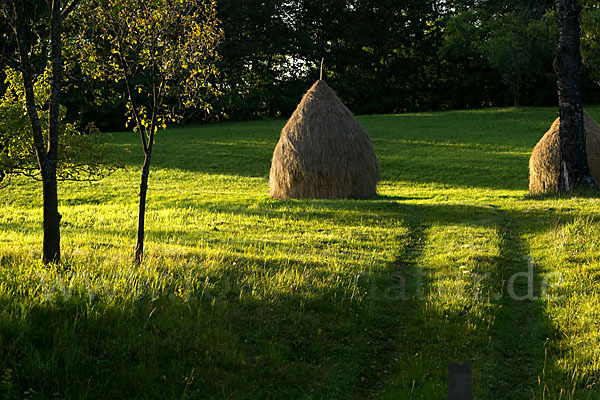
(244, 297)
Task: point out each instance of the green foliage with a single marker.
(470, 81)
(272, 51)
(164, 51)
(83, 155)
(521, 47)
(406, 55)
(409, 55)
(260, 67)
(590, 44)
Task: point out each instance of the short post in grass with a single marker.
(459, 381)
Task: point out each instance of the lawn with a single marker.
(244, 297)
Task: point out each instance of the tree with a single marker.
(590, 46)
(83, 156)
(508, 53)
(518, 48)
(574, 170)
(20, 15)
(164, 51)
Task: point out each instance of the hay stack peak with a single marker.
(323, 151)
(544, 164)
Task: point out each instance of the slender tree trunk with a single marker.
(574, 170)
(51, 249)
(516, 90)
(139, 248)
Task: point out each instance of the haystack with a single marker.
(323, 151)
(544, 164)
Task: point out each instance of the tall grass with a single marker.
(241, 296)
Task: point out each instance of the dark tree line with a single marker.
(395, 55)
(381, 56)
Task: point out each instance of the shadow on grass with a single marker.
(230, 327)
(225, 336)
(578, 193)
(506, 348)
(258, 328)
(505, 343)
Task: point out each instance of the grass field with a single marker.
(244, 297)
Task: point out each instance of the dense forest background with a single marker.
(381, 56)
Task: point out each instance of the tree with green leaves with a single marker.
(164, 51)
(518, 47)
(590, 45)
(37, 47)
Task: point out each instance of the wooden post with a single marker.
(459, 381)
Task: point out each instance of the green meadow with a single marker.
(244, 297)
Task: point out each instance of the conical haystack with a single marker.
(323, 151)
(544, 164)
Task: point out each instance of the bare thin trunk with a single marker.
(139, 248)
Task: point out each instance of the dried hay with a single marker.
(323, 151)
(544, 164)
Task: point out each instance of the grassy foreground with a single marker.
(243, 297)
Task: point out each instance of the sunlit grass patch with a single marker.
(241, 296)
(572, 266)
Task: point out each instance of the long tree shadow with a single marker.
(521, 326)
(500, 329)
(507, 347)
(404, 285)
(262, 327)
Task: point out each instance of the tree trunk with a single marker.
(51, 252)
(50, 186)
(139, 248)
(515, 87)
(574, 170)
